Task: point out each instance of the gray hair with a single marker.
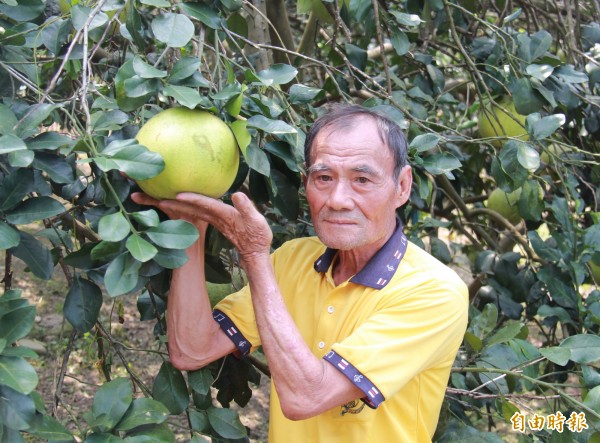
(341, 116)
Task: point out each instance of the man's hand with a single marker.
(241, 223)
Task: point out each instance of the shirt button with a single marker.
(321, 344)
(330, 309)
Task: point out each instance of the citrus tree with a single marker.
(496, 96)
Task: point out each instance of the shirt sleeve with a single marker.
(411, 333)
(235, 315)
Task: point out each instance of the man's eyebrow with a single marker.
(318, 168)
(365, 170)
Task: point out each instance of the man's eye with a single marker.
(324, 178)
(362, 180)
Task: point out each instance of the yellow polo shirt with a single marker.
(393, 329)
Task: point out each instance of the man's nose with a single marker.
(340, 196)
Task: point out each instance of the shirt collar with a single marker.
(381, 268)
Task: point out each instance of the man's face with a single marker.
(350, 188)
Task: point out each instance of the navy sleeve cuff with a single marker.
(373, 397)
(232, 332)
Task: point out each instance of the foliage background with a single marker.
(78, 81)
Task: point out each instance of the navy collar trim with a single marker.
(378, 272)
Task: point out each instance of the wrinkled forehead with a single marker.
(342, 126)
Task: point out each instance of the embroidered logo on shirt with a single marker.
(343, 364)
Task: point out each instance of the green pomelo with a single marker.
(199, 150)
(505, 204)
(503, 125)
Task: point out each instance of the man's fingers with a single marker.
(144, 199)
(244, 205)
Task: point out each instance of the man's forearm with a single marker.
(306, 384)
(195, 339)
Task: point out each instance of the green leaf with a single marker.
(143, 411)
(304, 94)
(34, 209)
(36, 256)
(527, 156)
(133, 159)
(534, 47)
(126, 102)
(174, 30)
(21, 159)
(546, 126)
(101, 437)
(170, 389)
(285, 152)
(510, 330)
(257, 159)
(17, 374)
(175, 234)
(242, 136)
(277, 74)
(145, 70)
(569, 74)
(122, 275)
(14, 187)
(113, 227)
(184, 68)
(563, 294)
(356, 55)
(111, 402)
(9, 237)
(188, 97)
(148, 218)
(140, 249)
(424, 142)
(33, 118)
(404, 19)
(17, 409)
(540, 72)
(171, 258)
(271, 126)
(57, 167)
(8, 120)
(17, 323)
(199, 422)
(150, 307)
(80, 15)
(108, 120)
(11, 143)
(226, 423)
(205, 14)
(82, 304)
(400, 41)
(531, 200)
(49, 429)
(201, 380)
(525, 97)
(151, 434)
(585, 348)
(557, 355)
(511, 157)
(441, 163)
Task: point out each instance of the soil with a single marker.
(50, 338)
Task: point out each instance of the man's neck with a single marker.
(349, 263)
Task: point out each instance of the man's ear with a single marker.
(404, 186)
(303, 175)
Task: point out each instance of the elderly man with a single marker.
(358, 316)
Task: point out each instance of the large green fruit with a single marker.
(505, 126)
(506, 204)
(199, 150)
